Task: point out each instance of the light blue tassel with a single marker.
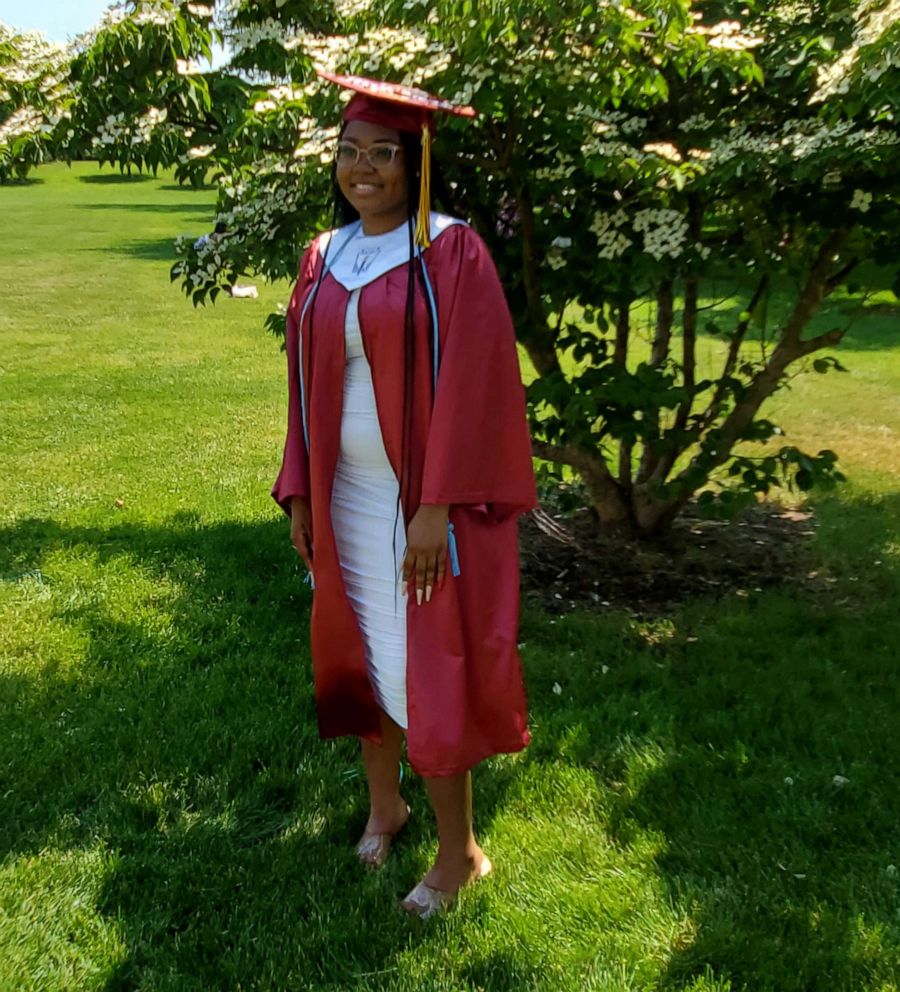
(309, 580)
(451, 548)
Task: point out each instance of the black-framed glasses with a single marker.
(379, 155)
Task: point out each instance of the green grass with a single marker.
(169, 819)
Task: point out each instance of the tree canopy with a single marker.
(643, 174)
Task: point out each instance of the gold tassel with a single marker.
(423, 223)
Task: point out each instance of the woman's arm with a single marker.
(479, 448)
(293, 478)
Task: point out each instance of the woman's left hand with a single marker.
(426, 551)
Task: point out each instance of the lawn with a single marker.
(712, 798)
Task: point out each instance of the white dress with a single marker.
(369, 528)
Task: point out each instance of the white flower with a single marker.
(350, 8)
(840, 781)
(557, 689)
(186, 67)
(861, 201)
(873, 20)
(665, 149)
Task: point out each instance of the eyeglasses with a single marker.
(379, 155)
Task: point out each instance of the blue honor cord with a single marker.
(452, 551)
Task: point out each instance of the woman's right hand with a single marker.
(301, 529)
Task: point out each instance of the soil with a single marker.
(568, 562)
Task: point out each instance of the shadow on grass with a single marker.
(201, 209)
(777, 801)
(116, 178)
(715, 735)
(869, 325)
(160, 249)
(24, 181)
(187, 188)
(183, 738)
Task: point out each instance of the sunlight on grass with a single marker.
(52, 932)
(709, 803)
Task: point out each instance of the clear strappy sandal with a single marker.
(425, 901)
(373, 849)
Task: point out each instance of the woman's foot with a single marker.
(438, 889)
(381, 829)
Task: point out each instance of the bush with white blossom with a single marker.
(34, 94)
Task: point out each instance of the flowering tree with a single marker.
(33, 99)
(643, 176)
(140, 99)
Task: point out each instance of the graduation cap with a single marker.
(403, 108)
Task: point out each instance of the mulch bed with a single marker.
(568, 562)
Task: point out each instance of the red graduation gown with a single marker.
(465, 698)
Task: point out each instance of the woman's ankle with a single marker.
(387, 814)
(452, 871)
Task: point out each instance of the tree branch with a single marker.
(623, 332)
(605, 493)
(659, 352)
(815, 288)
(620, 358)
(540, 349)
(790, 347)
(828, 339)
(665, 315)
(835, 280)
(688, 347)
(734, 351)
(689, 371)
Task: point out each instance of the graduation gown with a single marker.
(470, 449)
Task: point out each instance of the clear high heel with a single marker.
(373, 849)
(425, 901)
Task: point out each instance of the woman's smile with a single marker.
(365, 189)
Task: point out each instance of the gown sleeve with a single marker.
(479, 449)
(293, 479)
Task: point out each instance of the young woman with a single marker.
(406, 464)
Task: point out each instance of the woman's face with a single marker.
(379, 194)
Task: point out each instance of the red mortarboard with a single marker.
(403, 108)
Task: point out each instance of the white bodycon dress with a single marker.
(369, 528)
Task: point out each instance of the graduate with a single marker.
(406, 465)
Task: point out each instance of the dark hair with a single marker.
(344, 213)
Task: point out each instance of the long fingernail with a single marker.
(428, 593)
(418, 597)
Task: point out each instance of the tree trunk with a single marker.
(610, 503)
(620, 358)
(662, 339)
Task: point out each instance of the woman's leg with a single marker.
(387, 809)
(459, 858)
